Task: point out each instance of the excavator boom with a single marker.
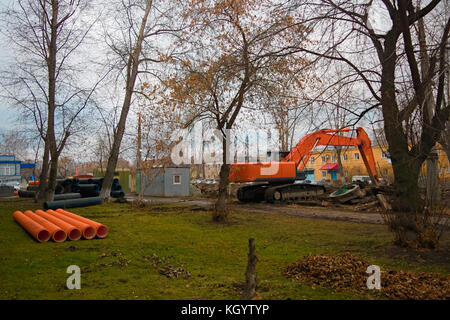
(287, 170)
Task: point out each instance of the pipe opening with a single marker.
(74, 234)
(102, 231)
(59, 236)
(43, 236)
(89, 233)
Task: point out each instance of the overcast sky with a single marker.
(6, 114)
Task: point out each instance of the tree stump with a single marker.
(250, 277)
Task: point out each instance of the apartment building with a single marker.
(323, 164)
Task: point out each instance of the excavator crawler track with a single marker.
(253, 193)
(279, 193)
(293, 192)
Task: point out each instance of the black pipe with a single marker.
(66, 196)
(59, 189)
(116, 187)
(26, 194)
(72, 203)
(117, 194)
(98, 180)
(89, 190)
(85, 181)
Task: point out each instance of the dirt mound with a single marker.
(212, 190)
(348, 272)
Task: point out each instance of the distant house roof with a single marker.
(8, 159)
(330, 166)
(26, 165)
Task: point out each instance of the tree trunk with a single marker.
(405, 167)
(132, 71)
(113, 156)
(433, 192)
(250, 276)
(44, 172)
(432, 184)
(444, 139)
(406, 174)
(50, 191)
(220, 213)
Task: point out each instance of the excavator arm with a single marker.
(301, 153)
(297, 159)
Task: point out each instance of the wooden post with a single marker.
(250, 277)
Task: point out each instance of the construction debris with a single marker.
(348, 272)
(382, 199)
(360, 197)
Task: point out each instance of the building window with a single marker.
(345, 173)
(383, 155)
(176, 179)
(312, 160)
(7, 169)
(324, 174)
(356, 156)
(333, 158)
(323, 159)
(345, 157)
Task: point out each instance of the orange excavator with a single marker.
(276, 180)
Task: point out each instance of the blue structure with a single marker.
(9, 168)
(169, 181)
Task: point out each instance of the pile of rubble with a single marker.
(361, 197)
(348, 272)
(357, 197)
(211, 190)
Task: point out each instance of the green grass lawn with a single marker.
(120, 266)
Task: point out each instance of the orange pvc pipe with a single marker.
(33, 228)
(73, 233)
(87, 230)
(58, 235)
(101, 229)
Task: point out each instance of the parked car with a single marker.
(302, 181)
(361, 178)
(14, 184)
(319, 182)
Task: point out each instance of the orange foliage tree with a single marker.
(235, 54)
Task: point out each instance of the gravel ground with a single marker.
(284, 209)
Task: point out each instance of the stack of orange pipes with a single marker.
(59, 225)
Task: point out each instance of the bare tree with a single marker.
(392, 51)
(14, 142)
(386, 60)
(231, 61)
(139, 23)
(46, 35)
